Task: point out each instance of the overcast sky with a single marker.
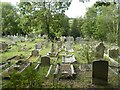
(76, 8)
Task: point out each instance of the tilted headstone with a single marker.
(113, 52)
(99, 53)
(45, 60)
(100, 72)
(35, 53)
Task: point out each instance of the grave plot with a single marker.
(10, 61)
(64, 71)
(68, 59)
(4, 65)
(20, 66)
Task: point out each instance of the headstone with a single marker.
(68, 46)
(45, 60)
(52, 48)
(59, 44)
(113, 52)
(100, 72)
(35, 53)
(70, 39)
(38, 46)
(22, 39)
(3, 46)
(78, 39)
(99, 54)
(26, 37)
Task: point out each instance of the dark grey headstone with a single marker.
(45, 60)
(100, 72)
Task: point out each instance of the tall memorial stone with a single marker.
(100, 72)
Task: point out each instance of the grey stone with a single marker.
(3, 46)
(100, 72)
(99, 53)
(38, 46)
(35, 53)
(113, 52)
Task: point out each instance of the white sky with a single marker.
(76, 8)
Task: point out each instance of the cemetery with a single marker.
(101, 69)
(47, 50)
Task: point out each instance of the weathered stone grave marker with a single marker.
(45, 60)
(99, 54)
(38, 46)
(3, 46)
(113, 52)
(35, 53)
(100, 72)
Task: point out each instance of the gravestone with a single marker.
(99, 53)
(45, 60)
(59, 44)
(100, 72)
(52, 48)
(68, 46)
(3, 46)
(35, 53)
(22, 39)
(78, 39)
(38, 46)
(113, 52)
(70, 39)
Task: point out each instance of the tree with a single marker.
(40, 16)
(9, 19)
(74, 29)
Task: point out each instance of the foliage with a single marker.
(9, 19)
